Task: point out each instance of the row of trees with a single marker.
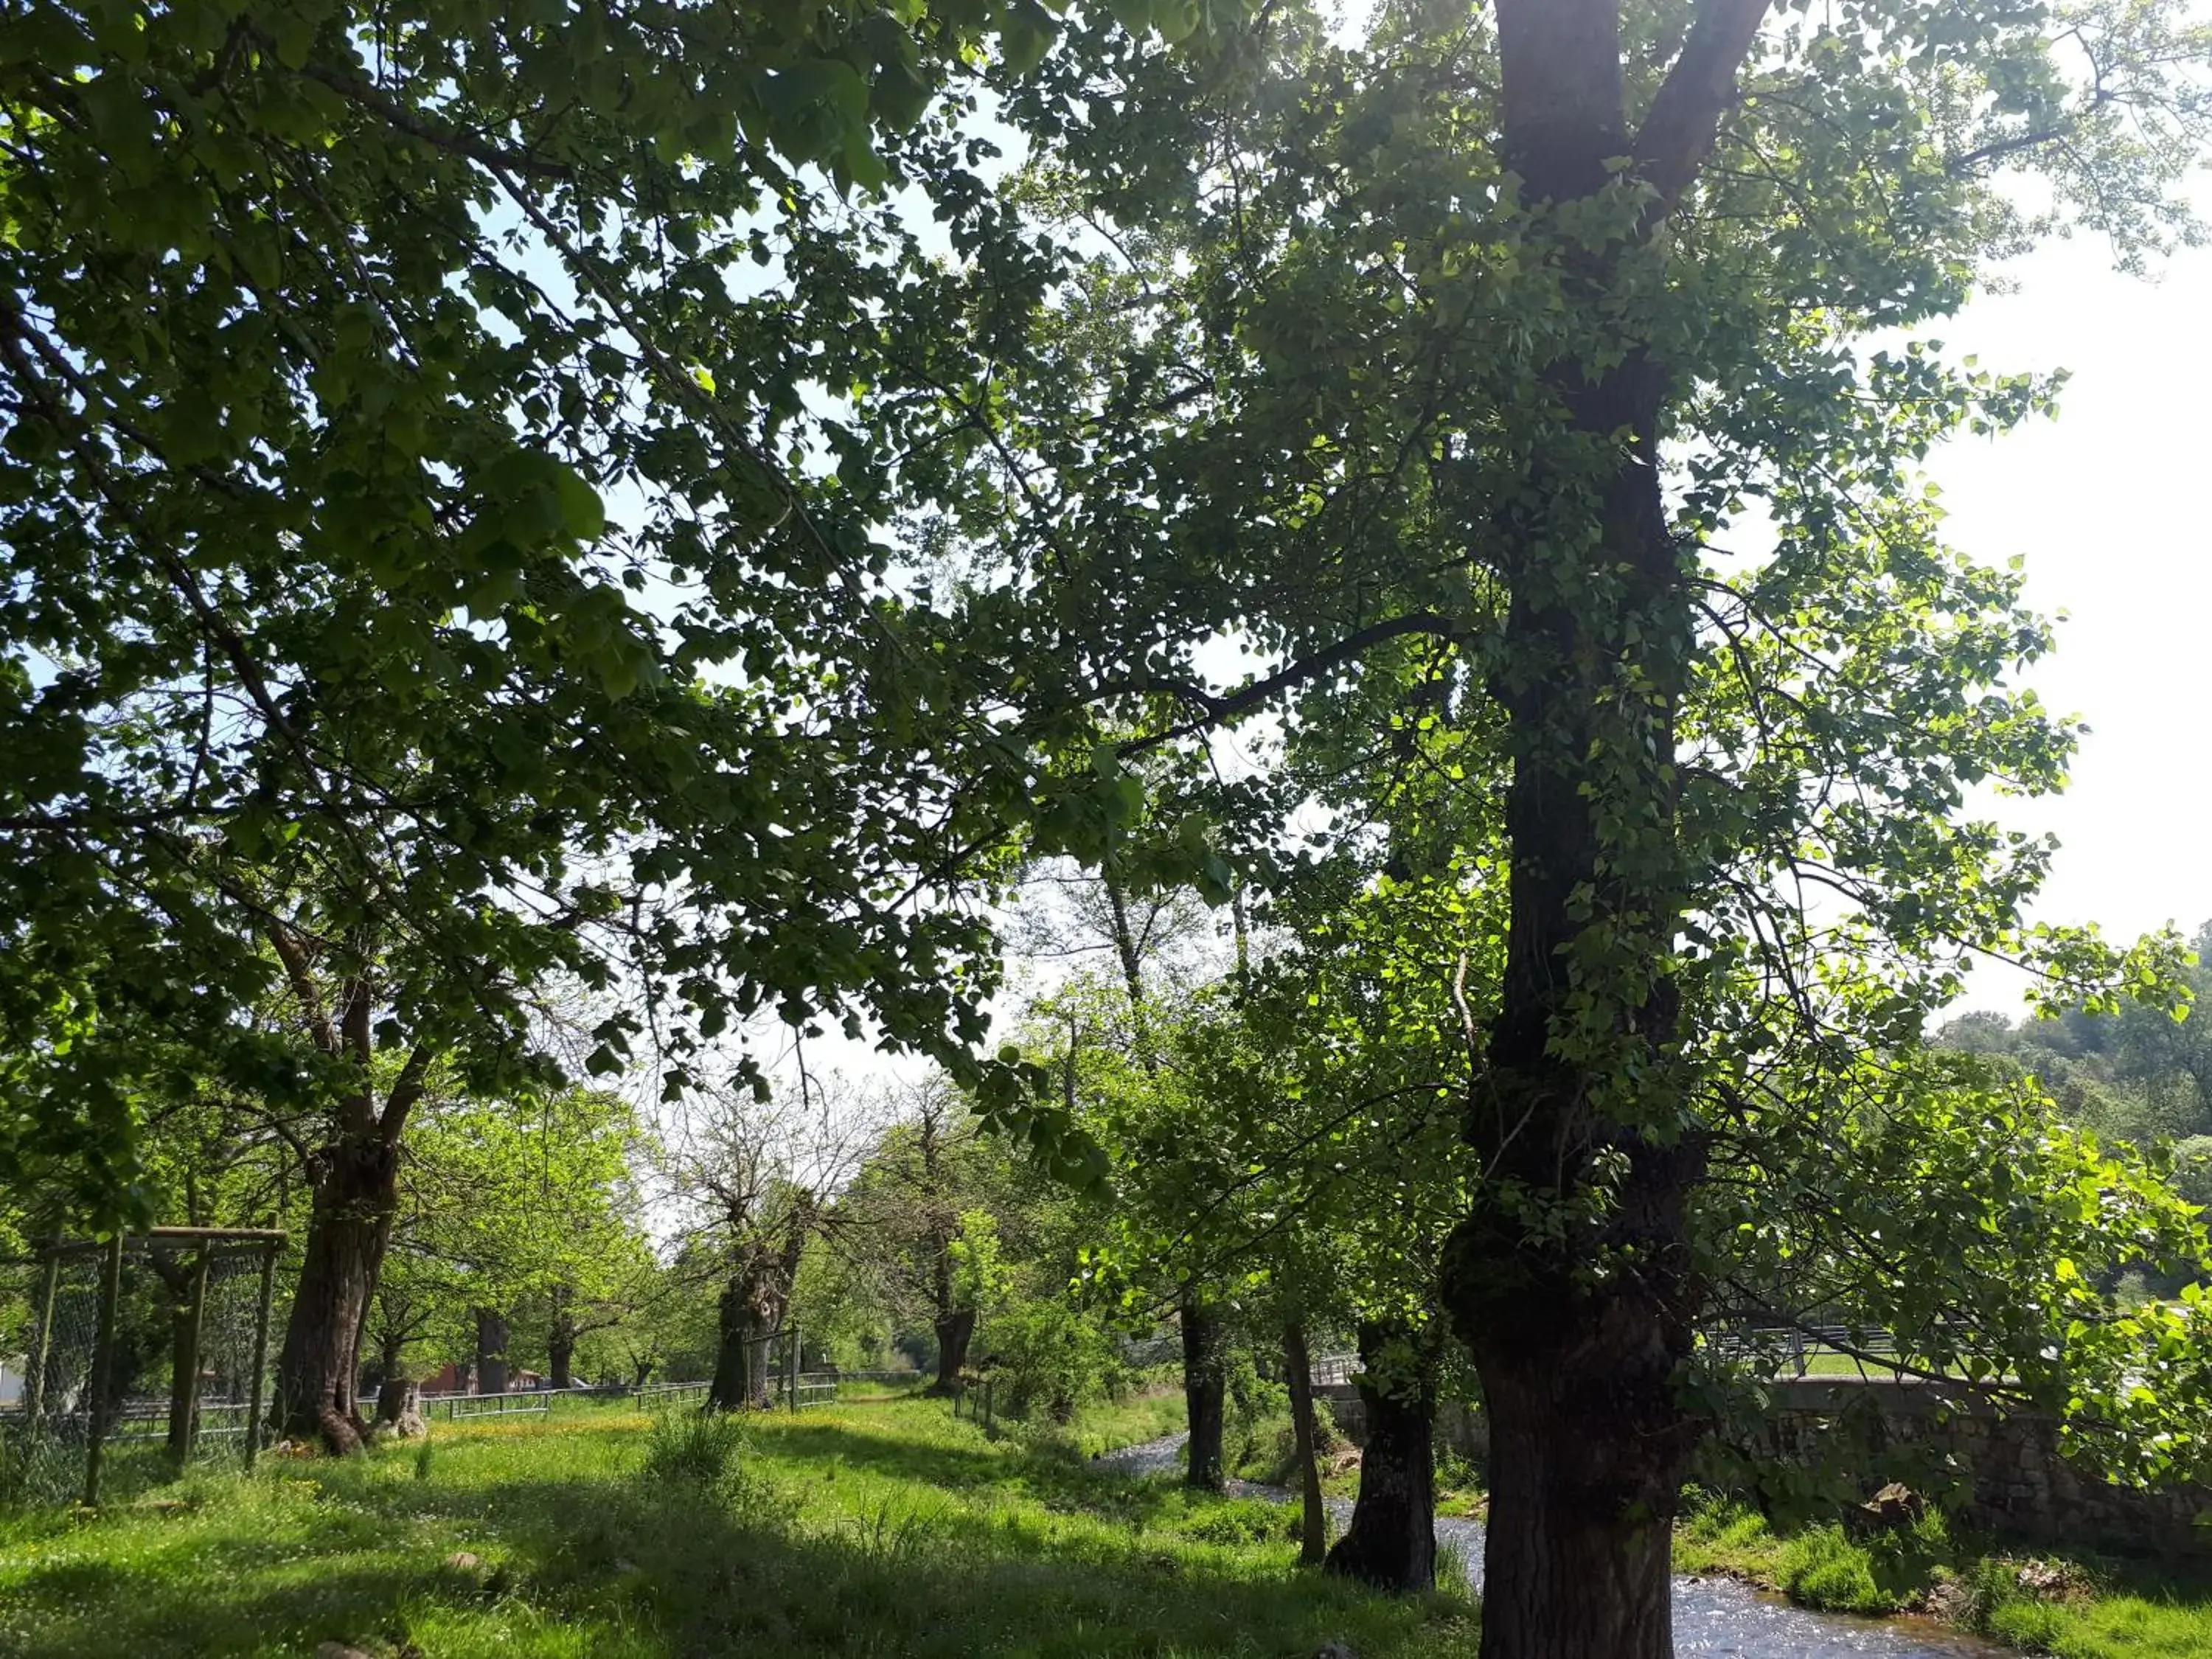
(512, 511)
(2135, 1073)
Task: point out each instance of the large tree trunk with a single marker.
(1205, 1392)
(1576, 1328)
(1312, 1516)
(184, 1378)
(400, 1407)
(741, 1361)
(955, 1330)
(349, 1227)
(391, 1365)
(560, 1339)
(187, 1289)
(1584, 1468)
(1392, 1541)
(491, 1351)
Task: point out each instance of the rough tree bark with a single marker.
(400, 1407)
(1589, 1445)
(560, 1339)
(187, 1290)
(741, 1377)
(357, 1192)
(353, 1182)
(1313, 1515)
(1392, 1541)
(754, 1302)
(491, 1351)
(1205, 1391)
(955, 1330)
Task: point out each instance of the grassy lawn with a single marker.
(863, 1530)
(2085, 1610)
(1143, 1415)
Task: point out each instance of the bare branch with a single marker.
(1219, 710)
(299, 971)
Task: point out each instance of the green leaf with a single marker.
(582, 513)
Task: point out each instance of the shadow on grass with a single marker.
(1060, 1481)
(932, 1461)
(616, 1563)
(77, 1610)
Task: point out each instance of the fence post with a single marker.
(260, 1353)
(103, 1359)
(35, 1390)
(187, 1394)
(990, 1422)
(791, 1367)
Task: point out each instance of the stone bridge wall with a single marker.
(2011, 1475)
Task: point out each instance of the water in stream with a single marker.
(1715, 1616)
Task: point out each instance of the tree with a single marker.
(511, 1218)
(1127, 1096)
(1332, 1093)
(1475, 342)
(328, 338)
(919, 1221)
(2139, 1073)
(761, 1178)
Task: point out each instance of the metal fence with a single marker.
(525, 1402)
(1804, 1350)
(661, 1395)
(1142, 1354)
(973, 1400)
(138, 1354)
(786, 1392)
(1331, 1370)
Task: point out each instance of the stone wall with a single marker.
(2009, 1474)
(1461, 1427)
(2007, 1471)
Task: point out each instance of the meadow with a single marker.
(869, 1528)
(885, 1525)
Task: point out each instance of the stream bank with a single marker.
(1713, 1616)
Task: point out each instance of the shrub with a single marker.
(1243, 1521)
(1997, 1606)
(696, 1446)
(1821, 1568)
(1456, 1470)
(2030, 1625)
(1047, 1360)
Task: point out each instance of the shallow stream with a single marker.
(1718, 1617)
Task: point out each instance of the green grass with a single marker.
(1143, 1414)
(857, 1530)
(2113, 1611)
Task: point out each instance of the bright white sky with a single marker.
(2102, 503)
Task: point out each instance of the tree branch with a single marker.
(406, 1089)
(1218, 709)
(359, 94)
(353, 1009)
(298, 973)
(1679, 128)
